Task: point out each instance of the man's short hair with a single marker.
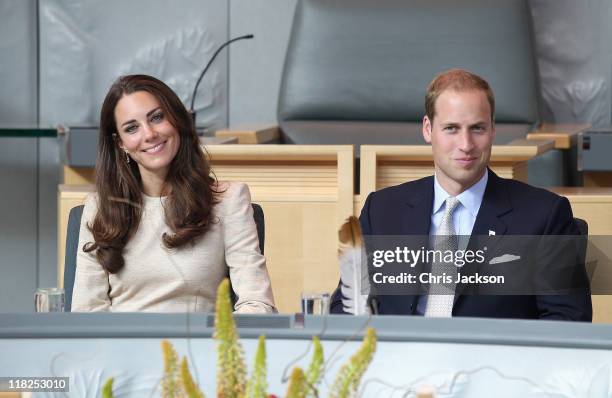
(457, 80)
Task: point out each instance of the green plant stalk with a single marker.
(231, 370)
(297, 384)
(314, 373)
(107, 389)
(348, 378)
(257, 384)
(170, 381)
(189, 386)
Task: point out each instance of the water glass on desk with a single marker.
(315, 303)
(49, 299)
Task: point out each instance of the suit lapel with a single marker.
(417, 214)
(417, 221)
(495, 203)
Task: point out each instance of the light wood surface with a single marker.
(564, 135)
(386, 165)
(597, 179)
(306, 193)
(219, 140)
(252, 133)
(78, 175)
(594, 205)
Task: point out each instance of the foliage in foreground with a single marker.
(177, 381)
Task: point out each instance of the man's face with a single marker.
(461, 134)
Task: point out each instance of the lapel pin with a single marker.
(491, 233)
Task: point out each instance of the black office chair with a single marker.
(583, 227)
(72, 245)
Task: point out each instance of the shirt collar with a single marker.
(471, 198)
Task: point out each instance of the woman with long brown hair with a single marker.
(160, 232)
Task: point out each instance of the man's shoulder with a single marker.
(520, 192)
(406, 190)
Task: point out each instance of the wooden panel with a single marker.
(301, 252)
(597, 179)
(594, 205)
(79, 175)
(395, 173)
(387, 165)
(283, 180)
(251, 134)
(564, 135)
(300, 195)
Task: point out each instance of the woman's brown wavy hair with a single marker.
(189, 183)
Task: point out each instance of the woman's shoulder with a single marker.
(232, 193)
(91, 200)
(232, 190)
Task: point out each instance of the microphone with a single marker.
(195, 89)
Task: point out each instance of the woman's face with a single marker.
(146, 133)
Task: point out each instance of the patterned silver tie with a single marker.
(441, 295)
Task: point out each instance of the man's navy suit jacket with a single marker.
(508, 207)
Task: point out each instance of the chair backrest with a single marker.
(72, 247)
(72, 244)
(583, 227)
(260, 223)
(370, 62)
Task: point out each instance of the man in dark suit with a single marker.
(465, 198)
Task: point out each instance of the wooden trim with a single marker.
(384, 165)
(345, 183)
(535, 147)
(515, 151)
(251, 134)
(586, 194)
(78, 175)
(597, 179)
(564, 135)
(275, 152)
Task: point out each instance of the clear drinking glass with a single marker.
(49, 299)
(315, 303)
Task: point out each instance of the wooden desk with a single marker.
(386, 165)
(306, 192)
(86, 175)
(594, 205)
(597, 179)
(252, 133)
(564, 135)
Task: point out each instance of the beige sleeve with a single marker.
(248, 272)
(91, 286)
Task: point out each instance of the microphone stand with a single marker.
(195, 89)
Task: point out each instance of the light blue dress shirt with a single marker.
(464, 217)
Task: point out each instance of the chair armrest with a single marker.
(252, 134)
(564, 135)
